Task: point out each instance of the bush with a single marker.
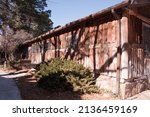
(13, 64)
(65, 75)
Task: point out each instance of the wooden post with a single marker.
(118, 59)
(118, 52)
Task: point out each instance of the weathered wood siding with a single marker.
(138, 70)
(136, 64)
(94, 42)
(93, 45)
(139, 48)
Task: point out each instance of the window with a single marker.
(72, 41)
(35, 48)
(48, 46)
(146, 39)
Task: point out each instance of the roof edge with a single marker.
(94, 15)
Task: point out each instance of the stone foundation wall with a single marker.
(106, 83)
(127, 88)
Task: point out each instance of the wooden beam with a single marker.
(140, 2)
(139, 16)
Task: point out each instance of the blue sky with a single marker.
(65, 11)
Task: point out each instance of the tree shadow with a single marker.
(82, 50)
(30, 91)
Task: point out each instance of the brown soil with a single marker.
(30, 91)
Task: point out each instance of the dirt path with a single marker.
(28, 89)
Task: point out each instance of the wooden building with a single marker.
(114, 43)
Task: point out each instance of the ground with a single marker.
(29, 90)
(27, 85)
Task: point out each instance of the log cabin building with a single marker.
(114, 43)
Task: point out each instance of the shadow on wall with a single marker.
(87, 48)
(82, 49)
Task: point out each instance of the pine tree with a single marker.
(29, 15)
(24, 16)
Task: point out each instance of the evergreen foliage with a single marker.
(65, 75)
(28, 15)
(21, 20)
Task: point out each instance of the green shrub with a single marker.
(65, 75)
(13, 64)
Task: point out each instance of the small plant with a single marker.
(13, 64)
(106, 91)
(65, 75)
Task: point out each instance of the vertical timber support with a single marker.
(122, 53)
(118, 18)
(124, 56)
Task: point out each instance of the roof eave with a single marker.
(92, 16)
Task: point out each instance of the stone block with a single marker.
(135, 87)
(105, 82)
